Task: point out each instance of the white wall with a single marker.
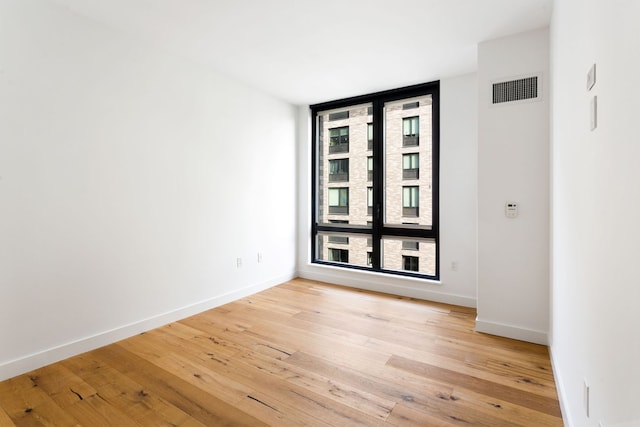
(130, 181)
(458, 158)
(513, 165)
(596, 205)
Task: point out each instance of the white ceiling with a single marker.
(312, 51)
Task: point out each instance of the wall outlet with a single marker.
(454, 265)
(259, 257)
(239, 262)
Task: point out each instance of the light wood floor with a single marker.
(302, 353)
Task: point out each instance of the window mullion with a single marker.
(378, 183)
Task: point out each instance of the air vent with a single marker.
(339, 116)
(515, 90)
(410, 105)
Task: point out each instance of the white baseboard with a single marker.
(377, 282)
(510, 331)
(562, 397)
(37, 360)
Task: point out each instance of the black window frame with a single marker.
(378, 229)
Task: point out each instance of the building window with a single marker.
(410, 200)
(339, 255)
(410, 166)
(363, 189)
(410, 263)
(339, 140)
(339, 201)
(410, 131)
(338, 170)
(409, 245)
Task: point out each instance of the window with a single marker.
(338, 201)
(410, 201)
(410, 131)
(370, 196)
(410, 263)
(338, 170)
(339, 140)
(339, 255)
(410, 166)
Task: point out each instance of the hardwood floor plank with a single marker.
(529, 400)
(5, 420)
(126, 395)
(440, 357)
(28, 405)
(301, 353)
(205, 408)
(403, 416)
(65, 388)
(510, 413)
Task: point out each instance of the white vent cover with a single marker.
(515, 90)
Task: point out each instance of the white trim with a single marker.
(562, 396)
(36, 360)
(510, 331)
(381, 282)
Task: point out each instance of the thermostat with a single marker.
(511, 209)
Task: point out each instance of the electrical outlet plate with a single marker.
(591, 77)
(594, 113)
(586, 397)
